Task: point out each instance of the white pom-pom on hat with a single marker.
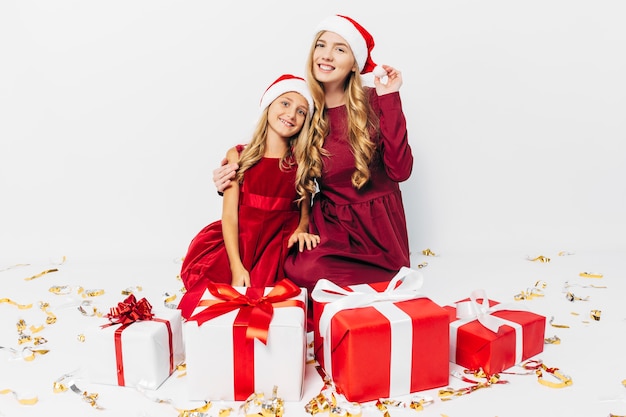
(379, 71)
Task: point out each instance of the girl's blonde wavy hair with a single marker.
(255, 150)
(362, 124)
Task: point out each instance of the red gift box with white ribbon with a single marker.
(239, 341)
(380, 340)
(493, 336)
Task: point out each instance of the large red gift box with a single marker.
(380, 340)
(492, 336)
(240, 341)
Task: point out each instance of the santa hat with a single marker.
(284, 84)
(359, 39)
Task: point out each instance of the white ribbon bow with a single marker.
(404, 286)
(467, 311)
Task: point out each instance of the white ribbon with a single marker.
(467, 311)
(404, 286)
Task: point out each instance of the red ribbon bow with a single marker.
(260, 307)
(130, 310)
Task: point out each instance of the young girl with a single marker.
(264, 211)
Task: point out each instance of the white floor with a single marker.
(591, 352)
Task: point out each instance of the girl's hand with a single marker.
(394, 81)
(240, 277)
(303, 239)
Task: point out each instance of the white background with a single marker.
(114, 114)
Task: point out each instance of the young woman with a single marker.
(358, 153)
(264, 211)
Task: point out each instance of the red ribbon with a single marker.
(259, 309)
(252, 321)
(126, 313)
(129, 311)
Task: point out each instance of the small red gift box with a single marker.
(380, 340)
(492, 336)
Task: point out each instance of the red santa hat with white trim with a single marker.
(360, 40)
(284, 84)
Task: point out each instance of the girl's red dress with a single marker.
(268, 215)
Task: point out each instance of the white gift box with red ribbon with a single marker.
(223, 363)
(143, 354)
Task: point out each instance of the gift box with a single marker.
(492, 336)
(135, 347)
(244, 340)
(380, 340)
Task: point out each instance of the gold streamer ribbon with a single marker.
(560, 326)
(256, 405)
(94, 311)
(168, 301)
(23, 401)
(540, 368)
(51, 319)
(41, 274)
(60, 386)
(450, 393)
(131, 290)
(30, 356)
(416, 403)
(590, 275)
(200, 411)
(529, 294)
(571, 297)
(540, 258)
(19, 306)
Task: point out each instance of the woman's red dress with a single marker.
(363, 232)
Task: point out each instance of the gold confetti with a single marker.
(428, 252)
(60, 289)
(560, 326)
(41, 274)
(571, 297)
(565, 253)
(59, 386)
(131, 290)
(80, 338)
(539, 258)
(23, 401)
(554, 340)
(595, 314)
(93, 293)
(31, 357)
(19, 306)
(590, 275)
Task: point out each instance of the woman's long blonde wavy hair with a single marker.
(362, 124)
(255, 150)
